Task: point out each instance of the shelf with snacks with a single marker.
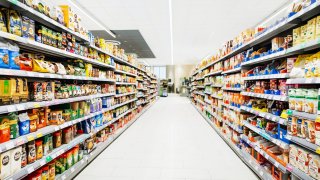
(124, 72)
(274, 159)
(265, 96)
(126, 83)
(235, 70)
(306, 142)
(125, 94)
(234, 127)
(213, 73)
(81, 164)
(279, 82)
(267, 136)
(265, 115)
(242, 154)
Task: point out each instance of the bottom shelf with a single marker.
(78, 167)
(244, 156)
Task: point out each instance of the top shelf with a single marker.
(288, 23)
(41, 18)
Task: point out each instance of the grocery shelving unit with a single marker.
(241, 75)
(118, 75)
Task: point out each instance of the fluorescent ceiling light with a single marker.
(171, 30)
(92, 19)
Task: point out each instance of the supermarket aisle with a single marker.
(171, 141)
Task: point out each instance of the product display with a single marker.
(65, 93)
(262, 96)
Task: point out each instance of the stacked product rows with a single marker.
(65, 95)
(261, 94)
(147, 88)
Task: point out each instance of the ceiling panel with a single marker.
(200, 27)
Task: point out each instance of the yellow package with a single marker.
(309, 67)
(88, 68)
(316, 62)
(311, 29)
(40, 66)
(298, 70)
(318, 27)
(304, 33)
(24, 93)
(296, 36)
(68, 16)
(8, 91)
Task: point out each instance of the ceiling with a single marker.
(199, 27)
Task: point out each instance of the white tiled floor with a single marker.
(171, 141)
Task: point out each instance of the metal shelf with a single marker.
(30, 105)
(31, 74)
(41, 18)
(124, 72)
(264, 154)
(235, 70)
(298, 173)
(271, 76)
(304, 143)
(213, 73)
(232, 89)
(265, 58)
(217, 97)
(125, 83)
(266, 96)
(304, 81)
(303, 114)
(46, 159)
(33, 45)
(234, 127)
(232, 107)
(125, 94)
(267, 136)
(217, 85)
(266, 115)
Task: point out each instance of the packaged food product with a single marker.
(57, 139)
(24, 160)
(303, 160)
(296, 36)
(5, 166)
(298, 70)
(300, 99)
(69, 160)
(4, 54)
(45, 172)
(75, 152)
(23, 92)
(39, 149)
(24, 124)
(4, 133)
(3, 26)
(304, 33)
(314, 166)
(34, 120)
(317, 131)
(40, 66)
(310, 131)
(31, 151)
(26, 61)
(52, 170)
(318, 27)
(66, 135)
(48, 91)
(311, 101)
(36, 91)
(68, 16)
(311, 29)
(14, 22)
(60, 69)
(15, 160)
(56, 117)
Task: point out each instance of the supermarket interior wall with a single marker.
(176, 72)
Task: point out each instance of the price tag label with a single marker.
(20, 107)
(51, 75)
(12, 36)
(42, 162)
(276, 164)
(39, 135)
(20, 141)
(289, 168)
(30, 169)
(41, 75)
(261, 173)
(274, 118)
(9, 145)
(56, 128)
(281, 121)
(308, 80)
(36, 105)
(30, 138)
(11, 108)
(267, 156)
(318, 150)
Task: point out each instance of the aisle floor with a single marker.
(171, 141)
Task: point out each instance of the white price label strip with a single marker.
(9, 145)
(276, 164)
(30, 169)
(11, 108)
(72, 169)
(43, 162)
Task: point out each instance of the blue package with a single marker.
(14, 54)
(4, 54)
(24, 127)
